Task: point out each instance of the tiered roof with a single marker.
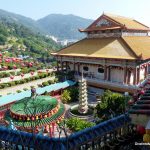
(122, 47)
(115, 22)
(118, 48)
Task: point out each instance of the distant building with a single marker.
(114, 55)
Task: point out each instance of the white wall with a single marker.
(117, 75)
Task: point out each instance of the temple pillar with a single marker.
(57, 66)
(78, 68)
(145, 71)
(128, 76)
(66, 65)
(74, 67)
(125, 75)
(109, 70)
(105, 72)
(134, 76)
(61, 66)
(138, 75)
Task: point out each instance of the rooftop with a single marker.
(117, 48)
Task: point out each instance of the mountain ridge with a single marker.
(59, 25)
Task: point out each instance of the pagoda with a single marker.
(83, 103)
(32, 114)
(114, 55)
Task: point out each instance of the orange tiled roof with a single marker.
(116, 23)
(128, 22)
(100, 47)
(139, 44)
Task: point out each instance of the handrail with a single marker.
(90, 134)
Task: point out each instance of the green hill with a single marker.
(64, 26)
(19, 40)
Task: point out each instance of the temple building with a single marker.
(115, 54)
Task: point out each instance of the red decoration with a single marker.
(142, 92)
(30, 64)
(1, 55)
(11, 77)
(22, 75)
(47, 70)
(32, 73)
(140, 129)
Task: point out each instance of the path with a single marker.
(25, 85)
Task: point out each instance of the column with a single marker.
(138, 75)
(105, 72)
(125, 75)
(128, 76)
(145, 72)
(61, 66)
(74, 67)
(108, 78)
(57, 67)
(78, 68)
(66, 66)
(134, 76)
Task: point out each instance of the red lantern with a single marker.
(22, 75)
(13, 59)
(11, 77)
(1, 55)
(30, 64)
(140, 129)
(32, 73)
(142, 92)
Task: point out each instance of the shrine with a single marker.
(114, 55)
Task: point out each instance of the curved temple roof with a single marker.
(118, 48)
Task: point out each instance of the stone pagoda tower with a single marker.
(83, 103)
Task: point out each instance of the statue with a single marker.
(33, 92)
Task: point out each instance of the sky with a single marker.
(92, 9)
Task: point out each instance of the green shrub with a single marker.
(18, 91)
(18, 73)
(12, 83)
(17, 82)
(65, 96)
(76, 124)
(45, 83)
(25, 89)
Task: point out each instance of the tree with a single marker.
(76, 124)
(65, 96)
(111, 104)
(3, 39)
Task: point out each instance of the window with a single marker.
(100, 70)
(85, 68)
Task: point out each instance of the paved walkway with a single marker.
(25, 85)
(27, 75)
